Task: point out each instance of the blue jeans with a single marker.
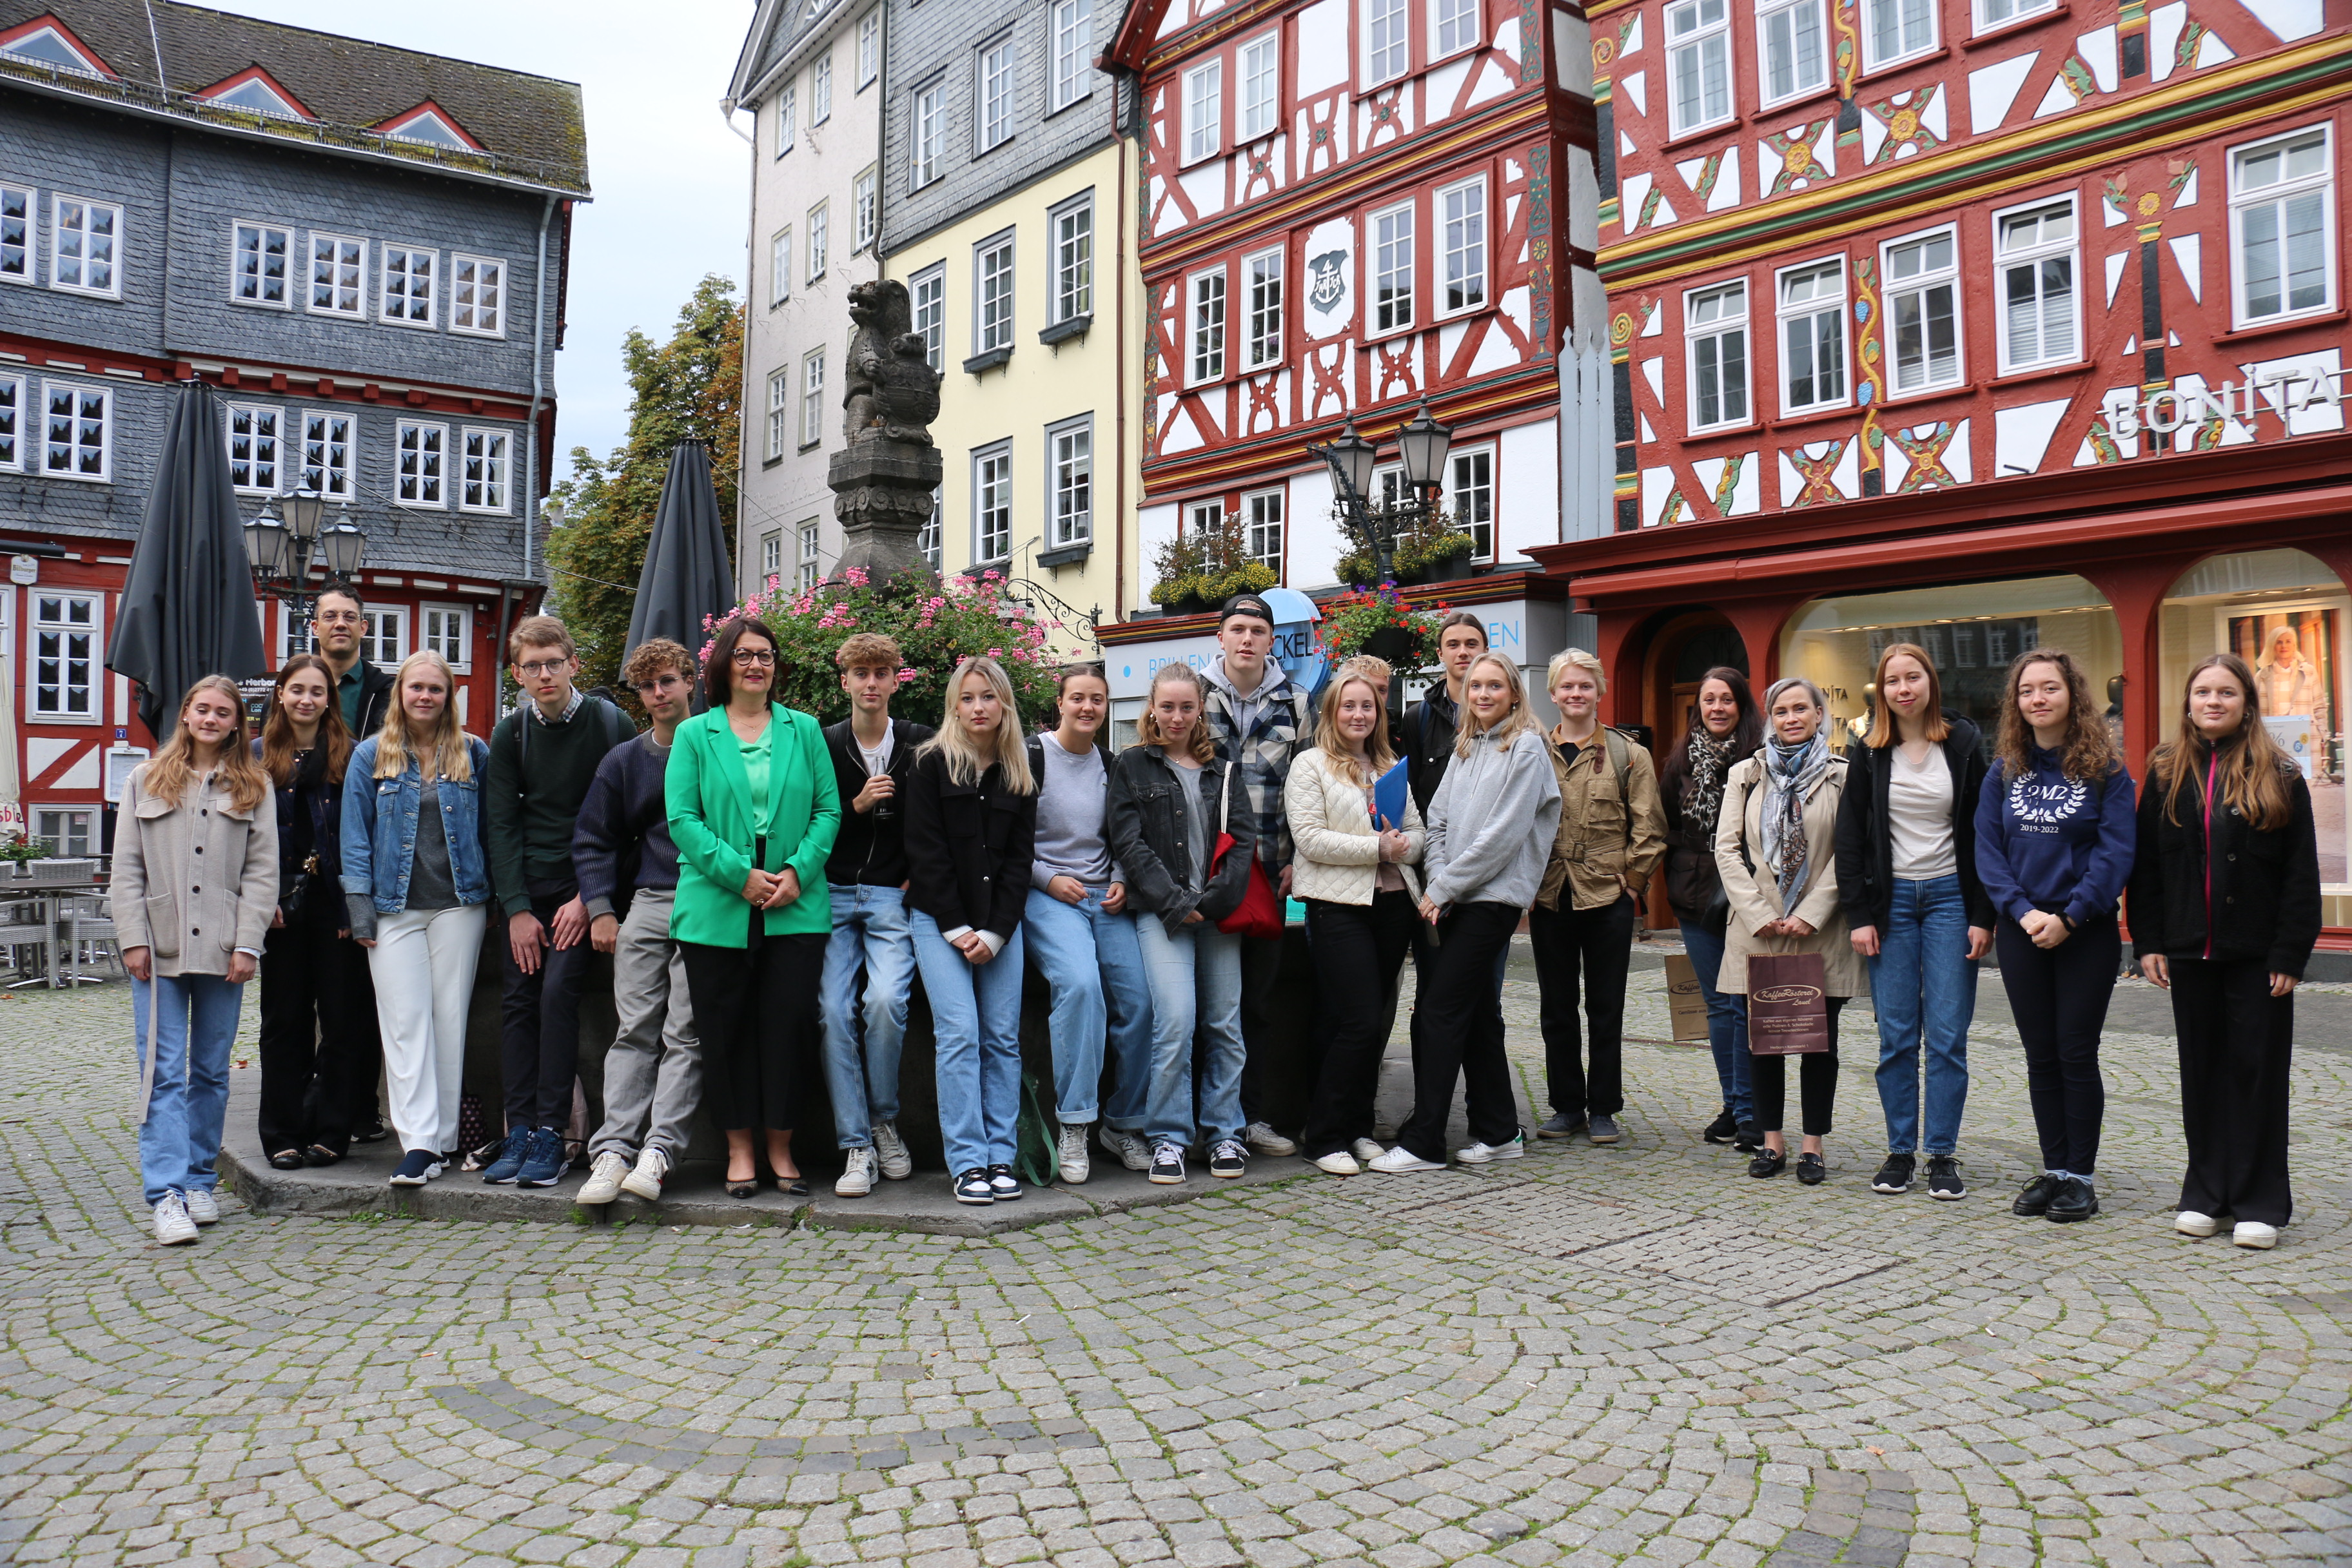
(1095, 972)
(1727, 1022)
(1924, 987)
(976, 1021)
(869, 928)
(180, 1138)
(1196, 979)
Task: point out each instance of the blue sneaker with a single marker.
(511, 1154)
(542, 1163)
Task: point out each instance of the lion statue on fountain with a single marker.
(892, 393)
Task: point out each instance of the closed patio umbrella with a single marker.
(687, 577)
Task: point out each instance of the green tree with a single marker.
(688, 388)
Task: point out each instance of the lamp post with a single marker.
(1423, 443)
(281, 548)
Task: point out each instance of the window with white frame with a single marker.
(1462, 216)
(1996, 13)
(1262, 529)
(327, 454)
(477, 295)
(929, 291)
(1455, 24)
(1812, 309)
(780, 267)
(1260, 63)
(2040, 320)
(927, 136)
(927, 537)
(16, 234)
(258, 255)
(993, 292)
(66, 644)
(1207, 358)
(772, 554)
(1470, 496)
(408, 285)
(1204, 111)
(1074, 259)
(338, 276)
(483, 479)
(864, 207)
(991, 503)
(1070, 464)
(869, 48)
(821, 89)
(992, 94)
(77, 442)
(12, 425)
(86, 247)
(788, 119)
(808, 567)
(383, 637)
(2282, 228)
(1388, 485)
(1789, 34)
(780, 405)
(1204, 518)
(1393, 270)
(1714, 324)
(811, 397)
(447, 630)
(1262, 276)
(1897, 29)
(1071, 25)
(1923, 310)
(1385, 48)
(253, 448)
(293, 634)
(1698, 63)
(418, 471)
(67, 830)
(819, 223)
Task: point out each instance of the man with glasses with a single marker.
(543, 756)
(339, 627)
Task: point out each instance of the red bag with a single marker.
(1788, 1004)
(1260, 913)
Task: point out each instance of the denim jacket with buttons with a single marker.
(379, 829)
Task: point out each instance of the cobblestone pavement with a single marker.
(1626, 1354)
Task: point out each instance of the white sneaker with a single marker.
(1401, 1160)
(604, 1175)
(203, 1207)
(1266, 1140)
(2255, 1233)
(856, 1173)
(173, 1226)
(645, 1181)
(891, 1150)
(1486, 1153)
(1365, 1151)
(1339, 1165)
(1132, 1151)
(1070, 1154)
(2189, 1222)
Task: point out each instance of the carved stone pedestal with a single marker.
(882, 494)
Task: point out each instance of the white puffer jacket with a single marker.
(1335, 851)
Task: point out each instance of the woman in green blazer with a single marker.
(753, 811)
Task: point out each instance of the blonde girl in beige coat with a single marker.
(195, 889)
(1776, 846)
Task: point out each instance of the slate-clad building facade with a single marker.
(362, 247)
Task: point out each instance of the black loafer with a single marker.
(1768, 1162)
(1810, 1171)
(2035, 1201)
(286, 1160)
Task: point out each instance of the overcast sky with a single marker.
(671, 181)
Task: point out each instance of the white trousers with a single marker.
(422, 966)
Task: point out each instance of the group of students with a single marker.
(768, 888)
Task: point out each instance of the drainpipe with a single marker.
(1119, 339)
(729, 109)
(537, 387)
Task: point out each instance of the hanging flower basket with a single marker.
(1379, 621)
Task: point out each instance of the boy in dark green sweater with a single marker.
(543, 756)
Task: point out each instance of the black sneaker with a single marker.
(417, 1167)
(972, 1187)
(1167, 1163)
(1810, 1171)
(1722, 1128)
(1602, 1130)
(1227, 1160)
(1895, 1177)
(375, 1131)
(2035, 1201)
(1768, 1163)
(2074, 1200)
(1560, 1124)
(1944, 1178)
(1746, 1140)
(1003, 1183)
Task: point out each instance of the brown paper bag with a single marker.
(1788, 1004)
(1686, 1000)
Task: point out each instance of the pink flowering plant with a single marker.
(937, 626)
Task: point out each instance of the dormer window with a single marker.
(252, 90)
(427, 124)
(47, 43)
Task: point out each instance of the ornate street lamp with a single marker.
(1423, 443)
(281, 550)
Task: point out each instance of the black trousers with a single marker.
(755, 1008)
(1358, 949)
(2059, 997)
(318, 1037)
(1816, 1083)
(1457, 1033)
(539, 1044)
(1261, 973)
(1595, 948)
(2236, 1042)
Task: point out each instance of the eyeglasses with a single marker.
(544, 667)
(762, 656)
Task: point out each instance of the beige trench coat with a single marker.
(194, 878)
(1756, 896)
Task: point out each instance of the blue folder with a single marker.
(1388, 797)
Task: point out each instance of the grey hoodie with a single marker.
(1491, 824)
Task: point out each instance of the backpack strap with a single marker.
(1620, 759)
(1037, 762)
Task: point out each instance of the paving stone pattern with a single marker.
(1631, 1354)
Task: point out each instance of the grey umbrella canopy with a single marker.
(688, 577)
(187, 606)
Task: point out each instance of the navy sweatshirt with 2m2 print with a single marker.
(2046, 841)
